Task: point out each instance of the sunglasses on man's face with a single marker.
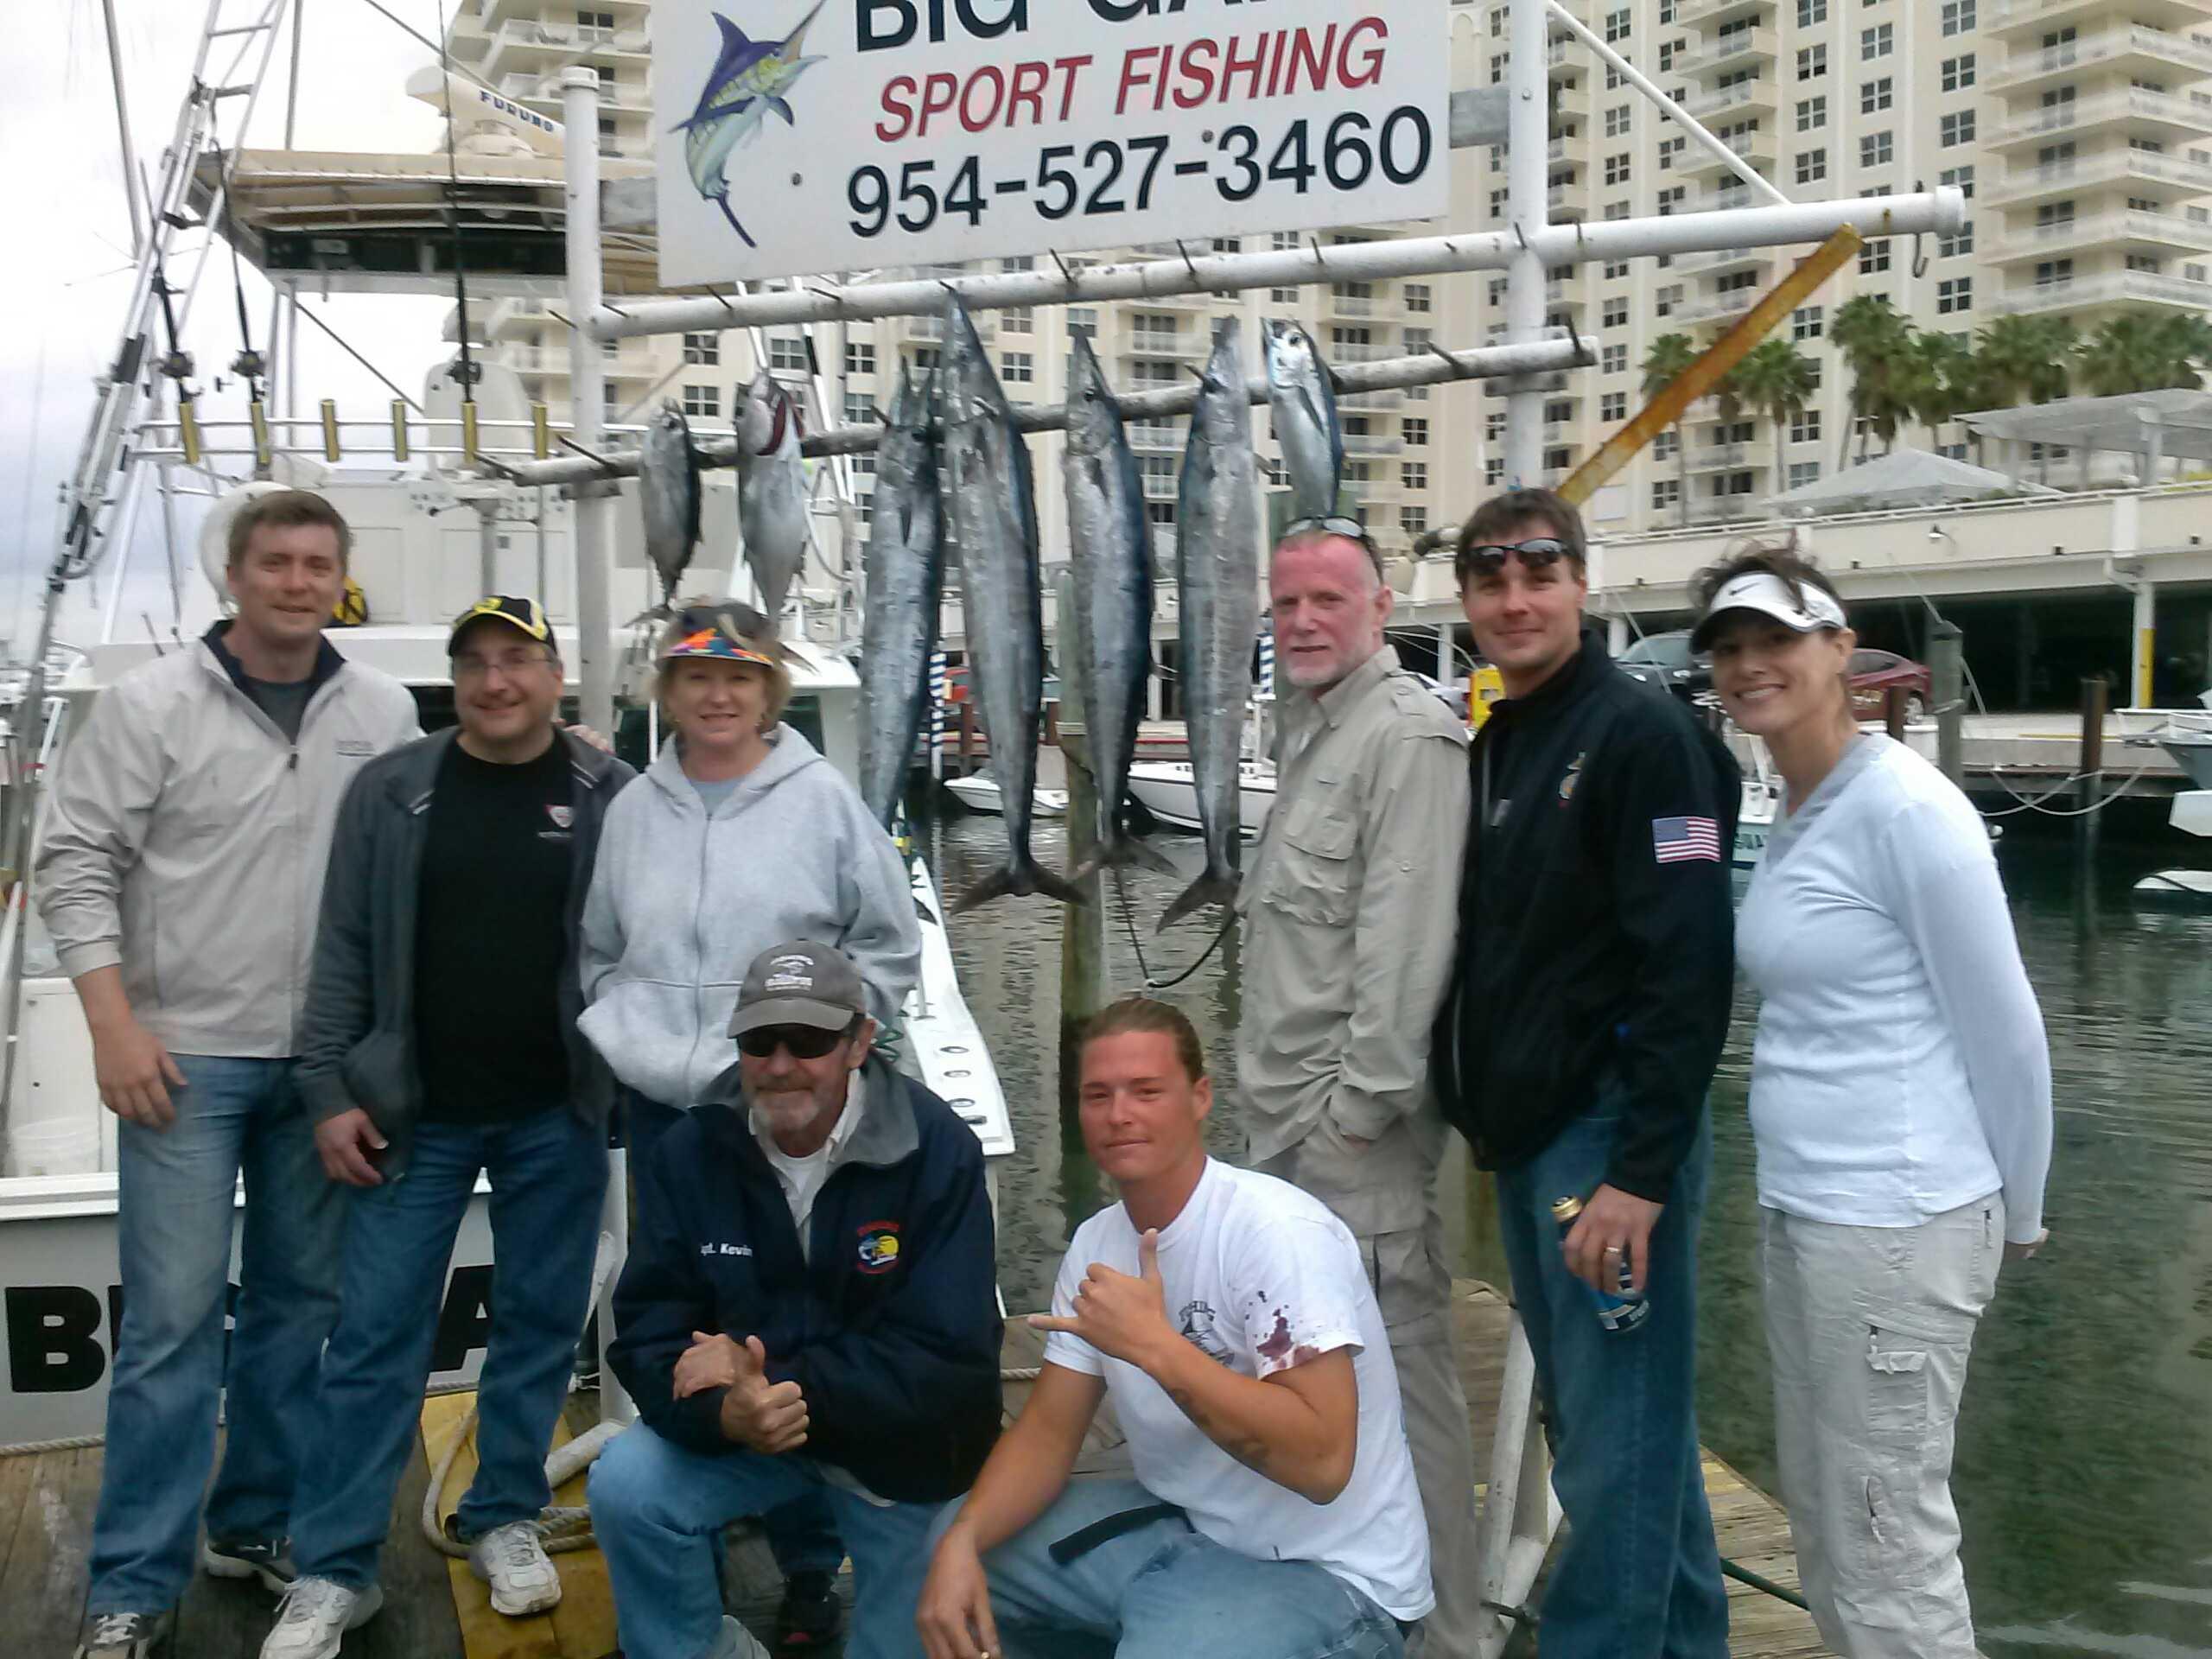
(805, 1042)
(1539, 553)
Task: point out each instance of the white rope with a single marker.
(72, 1442)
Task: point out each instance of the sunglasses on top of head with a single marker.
(805, 1042)
(1538, 553)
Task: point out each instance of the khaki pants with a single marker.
(1387, 1197)
(1869, 1328)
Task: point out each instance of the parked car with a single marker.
(1873, 674)
(1666, 660)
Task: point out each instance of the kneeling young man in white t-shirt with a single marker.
(1226, 1313)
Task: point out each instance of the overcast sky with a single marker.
(65, 280)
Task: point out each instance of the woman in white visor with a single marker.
(1900, 1105)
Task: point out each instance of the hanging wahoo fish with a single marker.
(746, 84)
(993, 494)
(1304, 398)
(905, 585)
(771, 489)
(1217, 568)
(1109, 546)
(668, 494)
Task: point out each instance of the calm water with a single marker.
(2084, 1471)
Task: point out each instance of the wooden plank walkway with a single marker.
(433, 1609)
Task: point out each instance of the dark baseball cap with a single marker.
(803, 982)
(522, 614)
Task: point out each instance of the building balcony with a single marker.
(1759, 149)
(1723, 309)
(630, 362)
(2130, 48)
(1154, 436)
(2083, 173)
(2124, 231)
(1721, 457)
(2135, 112)
(1749, 97)
(2112, 288)
(1563, 57)
(1570, 200)
(540, 48)
(1724, 260)
(1191, 343)
(929, 329)
(1711, 14)
(628, 14)
(1373, 443)
(2003, 19)
(1736, 50)
(1375, 351)
(1571, 103)
(1361, 308)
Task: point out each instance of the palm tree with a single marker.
(1935, 381)
(1872, 334)
(2022, 360)
(1665, 361)
(2139, 352)
(1775, 381)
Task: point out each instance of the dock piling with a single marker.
(1946, 664)
(2090, 785)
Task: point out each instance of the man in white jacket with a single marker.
(180, 877)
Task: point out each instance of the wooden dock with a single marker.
(434, 1610)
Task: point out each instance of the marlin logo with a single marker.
(749, 79)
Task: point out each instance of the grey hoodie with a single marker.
(681, 903)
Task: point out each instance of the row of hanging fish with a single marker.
(983, 467)
(771, 496)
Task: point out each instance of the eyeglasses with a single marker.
(1539, 553)
(1337, 523)
(477, 668)
(805, 1042)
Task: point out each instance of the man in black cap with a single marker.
(440, 1041)
(809, 1304)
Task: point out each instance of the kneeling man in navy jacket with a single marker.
(808, 1304)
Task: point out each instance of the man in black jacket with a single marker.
(1589, 1006)
(809, 1304)
(440, 1041)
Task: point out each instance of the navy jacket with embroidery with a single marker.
(1597, 929)
(889, 1324)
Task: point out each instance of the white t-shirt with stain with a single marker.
(1262, 1277)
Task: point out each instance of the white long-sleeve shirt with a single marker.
(1900, 1068)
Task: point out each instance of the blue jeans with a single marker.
(549, 1174)
(176, 1194)
(659, 1511)
(1639, 1575)
(1164, 1591)
(801, 1533)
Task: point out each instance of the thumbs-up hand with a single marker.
(764, 1416)
(1121, 1316)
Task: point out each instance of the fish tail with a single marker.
(1214, 887)
(1017, 880)
(722, 202)
(1122, 853)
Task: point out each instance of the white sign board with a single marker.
(800, 138)
(62, 1304)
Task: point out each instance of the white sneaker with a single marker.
(737, 1643)
(513, 1561)
(315, 1615)
(123, 1636)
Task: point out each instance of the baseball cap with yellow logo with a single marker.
(522, 614)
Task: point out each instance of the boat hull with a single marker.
(1168, 789)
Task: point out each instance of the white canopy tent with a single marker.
(1903, 477)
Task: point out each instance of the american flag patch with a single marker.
(1674, 840)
